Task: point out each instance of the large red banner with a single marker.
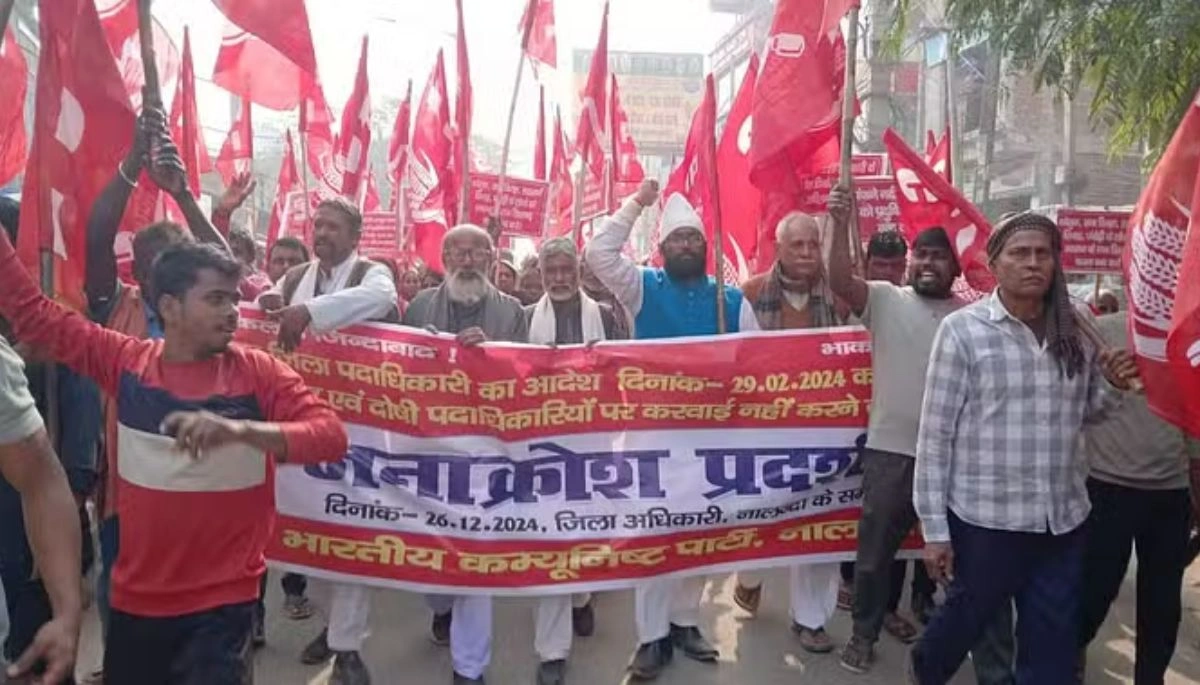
(517, 469)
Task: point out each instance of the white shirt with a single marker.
(339, 306)
(621, 276)
(1000, 425)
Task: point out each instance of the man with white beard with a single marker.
(675, 301)
(564, 315)
(468, 305)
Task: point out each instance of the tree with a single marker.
(1141, 57)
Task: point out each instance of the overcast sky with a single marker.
(406, 34)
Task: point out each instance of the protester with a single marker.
(337, 289)
(242, 247)
(286, 253)
(198, 420)
(430, 277)
(565, 315)
(593, 288)
(410, 284)
(674, 301)
(1011, 383)
(128, 309)
(902, 323)
(793, 295)
(1138, 488)
(1106, 302)
(468, 305)
(28, 466)
(887, 260)
(76, 443)
(529, 284)
(241, 187)
(505, 276)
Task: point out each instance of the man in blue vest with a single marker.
(675, 301)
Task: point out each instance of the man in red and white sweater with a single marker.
(201, 424)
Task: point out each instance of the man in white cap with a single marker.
(675, 301)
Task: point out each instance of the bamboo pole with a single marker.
(512, 107)
(849, 92)
(577, 212)
(151, 95)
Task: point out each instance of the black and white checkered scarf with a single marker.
(1062, 331)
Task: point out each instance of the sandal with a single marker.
(297, 607)
(900, 628)
(857, 656)
(845, 596)
(748, 598)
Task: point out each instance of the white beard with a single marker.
(466, 289)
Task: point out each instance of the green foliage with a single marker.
(1141, 57)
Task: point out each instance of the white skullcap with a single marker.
(678, 213)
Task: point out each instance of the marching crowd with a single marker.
(1015, 443)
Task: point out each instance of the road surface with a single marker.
(759, 651)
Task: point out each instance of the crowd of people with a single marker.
(1011, 440)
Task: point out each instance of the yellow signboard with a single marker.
(660, 92)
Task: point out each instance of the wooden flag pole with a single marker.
(849, 91)
(304, 170)
(512, 111)
(151, 94)
(714, 192)
(526, 29)
(577, 211)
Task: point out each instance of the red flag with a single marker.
(1162, 273)
(741, 202)
(539, 143)
(798, 100)
(589, 138)
(282, 24)
(13, 80)
(185, 122)
(237, 152)
(398, 146)
(430, 194)
(926, 200)
(251, 69)
(560, 180)
(691, 178)
(930, 143)
(355, 137)
(626, 166)
(370, 194)
(938, 155)
(316, 132)
(120, 22)
(289, 181)
(82, 128)
(538, 37)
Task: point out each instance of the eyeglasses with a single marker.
(477, 254)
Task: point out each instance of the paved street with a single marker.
(761, 651)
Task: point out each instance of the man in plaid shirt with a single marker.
(999, 480)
